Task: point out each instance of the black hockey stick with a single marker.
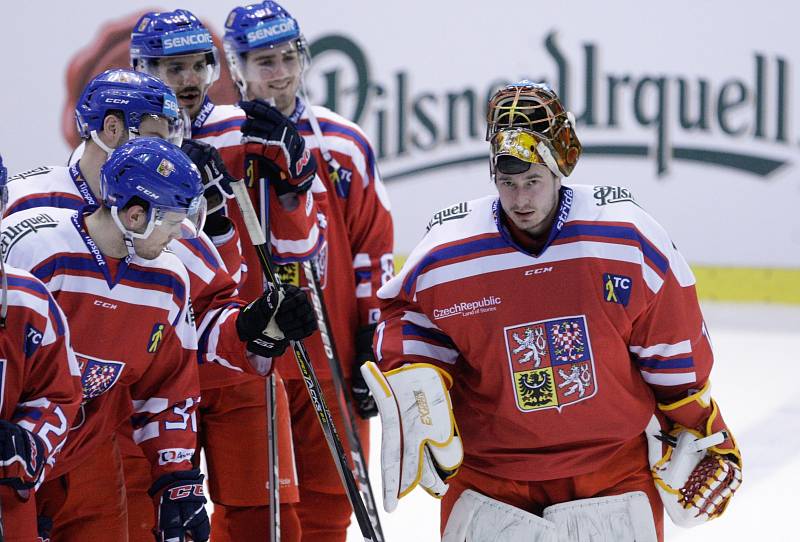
(345, 403)
(306, 369)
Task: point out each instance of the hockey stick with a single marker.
(306, 369)
(345, 403)
(274, 465)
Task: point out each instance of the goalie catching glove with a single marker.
(695, 463)
(420, 443)
(272, 142)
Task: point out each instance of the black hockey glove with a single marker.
(365, 403)
(279, 150)
(180, 504)
(22, 456)
(271, 321)
(217, 182)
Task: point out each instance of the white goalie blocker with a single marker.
(420, 443)
(619, 518)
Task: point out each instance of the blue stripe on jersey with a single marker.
(39, 288)
(206, 254)
(146, 276)
(617, 232)
(217, 127)
(331, 127)
(62, 202)
(450, 252)
(151, 276)
(677, 363)
(427, 333)
(31, 413)
(202, 342)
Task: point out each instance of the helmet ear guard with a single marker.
(527, 121)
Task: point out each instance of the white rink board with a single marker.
(625, 55)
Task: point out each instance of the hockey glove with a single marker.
(22, 456)
(420, 442)
(365, 403)
(271, 321)
(180, 505)
(216, 182)
(697, 467)
(279, 150)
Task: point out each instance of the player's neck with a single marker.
(90, 163)
(105, 233)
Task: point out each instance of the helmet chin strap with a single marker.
(127, 235)
(99, 142)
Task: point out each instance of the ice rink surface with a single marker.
(755, 381)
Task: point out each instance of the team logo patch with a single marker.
(617, 288)
(33, 340)
(156, 336)
(551, 363)
(165, 168)
(98, 376)
(289, 273)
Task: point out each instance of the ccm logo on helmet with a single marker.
(147, 192)
(117, 101)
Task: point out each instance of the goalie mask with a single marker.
(528, 125)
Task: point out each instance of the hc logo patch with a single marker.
(617, 288)
(551, 363)
(156, 336)
(98, 376)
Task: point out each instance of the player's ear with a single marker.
(114, 133)
(134, 218)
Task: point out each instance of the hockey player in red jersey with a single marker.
(175, 46)
(40, 391)
(560, 321)
(221, 332)
(126, 301)
(267, 55)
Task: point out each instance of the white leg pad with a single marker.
(478, 518)
(620, 518)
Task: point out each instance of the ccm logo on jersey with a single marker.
(537, 271)
(104, 304)
(617, 289)
(174, 455)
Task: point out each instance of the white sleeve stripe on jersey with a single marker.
(302, 246)
(438, 353)
(147, 432)
(663, 350)
(419, 319)
(362, 259)
(669, 379)
(154, 405)
(364, 290)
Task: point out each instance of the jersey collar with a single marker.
(81, 185)
(565, 199)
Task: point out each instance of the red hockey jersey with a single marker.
(355, 258)
(214, 297)
(557, 359)
(131, 332)
(294, 235)
(40, 387)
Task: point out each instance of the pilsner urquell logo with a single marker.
(407, 123)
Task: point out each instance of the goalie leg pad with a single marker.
(420, 443)
(619, 518)
(478, 518)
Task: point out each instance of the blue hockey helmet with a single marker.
(170, 34)
(161, 177)
(135, 95)
(258, 26)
